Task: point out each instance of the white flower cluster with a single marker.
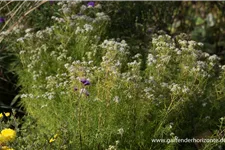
(111, 147)
(80, 69)
(46, 95)
(213, 60)
(165, 58)
(159, 38)
(15, 31)
(135, 65)
(101, 16)
(114, 45)
(58, 81)
(69, 4)
(151, 59)
(190, 59)
(67, 9)
(177, 89)
(57, 19)
(114, 56)
(86, 28)
(39, 34)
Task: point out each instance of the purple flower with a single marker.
(92, 4)
(75, 89)
(51, 2)
(2, 20)
(85, 81)
(150, 30)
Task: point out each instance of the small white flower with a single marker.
(66, 10)
(200, 44)
(223, 67)
(116, 99)
(20, 40)
(206, 54)
(60, 3)
(120, 131)
(213, 57)
(51, 96)
(147, 89)
(83, 8)
(175, 87)
(111, 147)
(84, 91)
(99, 6)
(204, 104)
(66, 65)
(178, 52)
(88, 27)
(164, 85)
(172, 134)
(185, 90)
(207, 117)
(22, 52)
(23, 96)
(42, 106)
(28, 30)
(151, 59)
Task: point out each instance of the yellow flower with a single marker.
(55, 136)
(6, 148)
(51, 140)
(2, 139)
(8, 134)
(7, 114)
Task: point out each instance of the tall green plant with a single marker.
(87, 91)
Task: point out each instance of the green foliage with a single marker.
(96, 79)
(123, 107)
(14, 14)
(204, 22)
(135, 18)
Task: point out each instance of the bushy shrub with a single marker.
(86, 90)
(82, 90)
